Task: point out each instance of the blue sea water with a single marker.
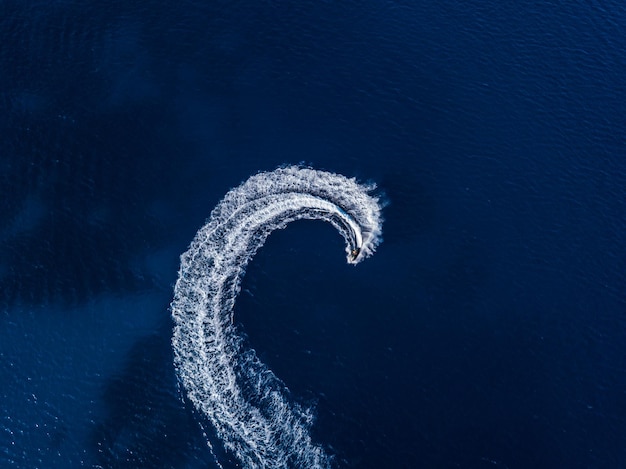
(488, 330)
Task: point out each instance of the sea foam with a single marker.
(248, 407)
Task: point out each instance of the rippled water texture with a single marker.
(487, 331)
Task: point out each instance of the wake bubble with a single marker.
(247, 405)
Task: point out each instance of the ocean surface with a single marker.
(487, 331)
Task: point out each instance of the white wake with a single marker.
(247, 405)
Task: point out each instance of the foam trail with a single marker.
(249, 408)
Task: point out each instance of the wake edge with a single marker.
(246, 404)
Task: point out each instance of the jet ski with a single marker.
(355, 253)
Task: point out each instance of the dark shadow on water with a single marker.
(91, 147)
(77, 212)
(148, 425)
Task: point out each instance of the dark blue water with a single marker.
(487, 332)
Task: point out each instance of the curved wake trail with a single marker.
(246, 403)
